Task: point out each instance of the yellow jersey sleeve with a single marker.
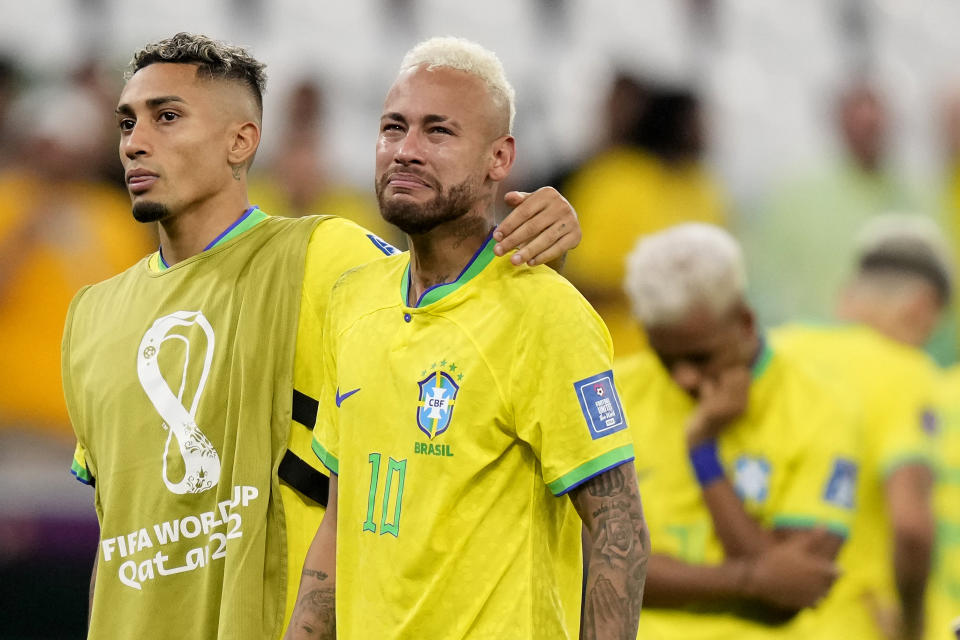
(909, 420)
(336, 246)
(79, 466)
(326, 441)
(824, 470)
(568, 412)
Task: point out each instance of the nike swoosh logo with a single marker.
(341, 398)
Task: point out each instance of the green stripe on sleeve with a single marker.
(808, 522)
(907, 459)
(587, 470)
(82, 473)
(328, 459)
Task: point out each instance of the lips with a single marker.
(404, 180)
(140, 180)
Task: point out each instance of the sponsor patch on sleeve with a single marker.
(600, 404)
(383, 245)
(842, 486)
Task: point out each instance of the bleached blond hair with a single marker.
(896, 247)
(689, 266)
(468, 56)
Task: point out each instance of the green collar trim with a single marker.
(762, 361)
(250, 218)
(478, 262)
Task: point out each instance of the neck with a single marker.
(438, 256)
(188, 232)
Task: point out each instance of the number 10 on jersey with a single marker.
(392, 495)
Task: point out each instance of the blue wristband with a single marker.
(706, 463)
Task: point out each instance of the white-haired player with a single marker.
(745, 462)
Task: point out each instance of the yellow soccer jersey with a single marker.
(943, 592)
(790, 458)
(892, 387)
(335, 246)
(455, 427)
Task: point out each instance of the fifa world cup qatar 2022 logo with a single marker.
(200, 459)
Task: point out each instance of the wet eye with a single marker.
(125, 124)
(168, 116)
(391, 126)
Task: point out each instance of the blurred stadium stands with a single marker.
(765, 75)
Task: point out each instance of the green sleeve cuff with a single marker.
(809, 522)
(895, 463)
(588, 470)
(81, 473)
(328, 459)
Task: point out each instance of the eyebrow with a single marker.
(152, 103)
(433, 118)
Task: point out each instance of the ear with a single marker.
(747, 319)
(504, 152)
(921, 313)
(244, 141)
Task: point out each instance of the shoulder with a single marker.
(542, 291)
(800, 402)
(333, 233)
(115, 285)
(367, 288)
(336, 246)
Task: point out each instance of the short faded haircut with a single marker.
(470, 57)
(676, 271)
(214, 59)
(901, 245)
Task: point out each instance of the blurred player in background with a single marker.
(189, 378)
(745, 461)
(889, 310)
(447, 514)
(943, 592)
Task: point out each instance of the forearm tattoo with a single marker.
(315, 613)
(618, 556)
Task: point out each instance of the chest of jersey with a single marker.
(183, 409)
(423, 395)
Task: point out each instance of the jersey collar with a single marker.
(480, 259)
(249, 219)
(762, 360)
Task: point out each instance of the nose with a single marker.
(686, 376)
(135, 142)
(409, 150)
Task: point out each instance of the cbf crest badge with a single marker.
(438, 396)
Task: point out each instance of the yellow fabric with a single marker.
(354, 205)
(93, 237)
(892, 387)
(619, 195)
(943, 591)
(461, 535)
(162, 398)
(335, 246)
(781, 455)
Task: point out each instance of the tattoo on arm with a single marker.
(319, 575)
(316, 615)
(610, 508)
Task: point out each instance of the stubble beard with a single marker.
(418, 218)
(146, 211)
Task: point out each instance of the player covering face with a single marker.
(464, 399)
(181, 374)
